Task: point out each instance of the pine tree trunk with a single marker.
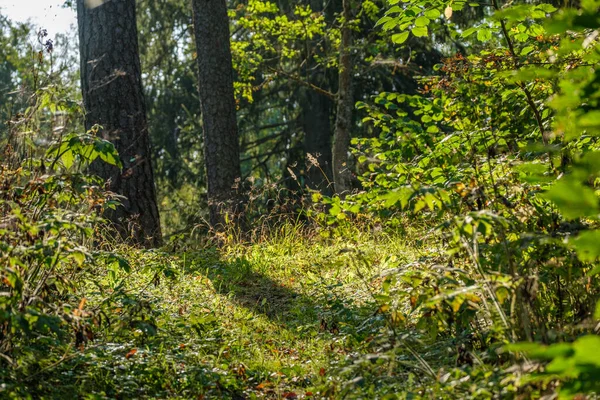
(316, 114)
(215, 77)
(342, 175)
(113, 98)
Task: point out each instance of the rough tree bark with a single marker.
(316, 118)
(342, 176)
(215, 78)
(316, 114)
(113, 98)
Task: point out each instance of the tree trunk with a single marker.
(316, 117)
(342, 176)
(215, 77)
(316, 124)
(113, 98)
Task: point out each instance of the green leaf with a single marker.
(118, 263)
(587, 350)
(432, 14)
(590, 119)
(389, 25)
(534, 172)
(108, 153)
(573, 199)
(469, 32)
(526, 50)
(419, 31)
(400, 38)
(586, 245)
(67, 159)
(541, 352)
(79, 257)
(513, 13)
(383, 20)
(335, 210)
(502, 294)
(549, 8)
(422, 21)
(401, 195)
(484, 34)
(537, 14)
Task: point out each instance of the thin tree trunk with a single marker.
(221, 140)
(342, 176)
(113, 98)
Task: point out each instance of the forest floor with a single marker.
(293, 316)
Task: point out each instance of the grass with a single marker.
(293, 315)
(286, 317)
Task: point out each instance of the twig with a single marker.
(521, 85)
(305, 83)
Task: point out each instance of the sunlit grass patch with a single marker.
(263, 319)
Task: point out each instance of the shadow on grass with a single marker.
(240, 281)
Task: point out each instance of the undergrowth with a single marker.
(279, 318)
(289, 316)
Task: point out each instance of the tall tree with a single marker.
(316, 114)
(215, 78)
(113, 98)
(342, 176)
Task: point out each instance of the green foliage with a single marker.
(576, 364)
(46, 229)
(500, 151)
(271, 35)
(83, 150)
(51, 214)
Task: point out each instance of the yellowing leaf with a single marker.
(456, 303)
(384, 308)
(502, 294)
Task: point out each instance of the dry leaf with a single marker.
(130, 354)
(448, 12)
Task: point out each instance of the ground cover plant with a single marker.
(462, 262)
